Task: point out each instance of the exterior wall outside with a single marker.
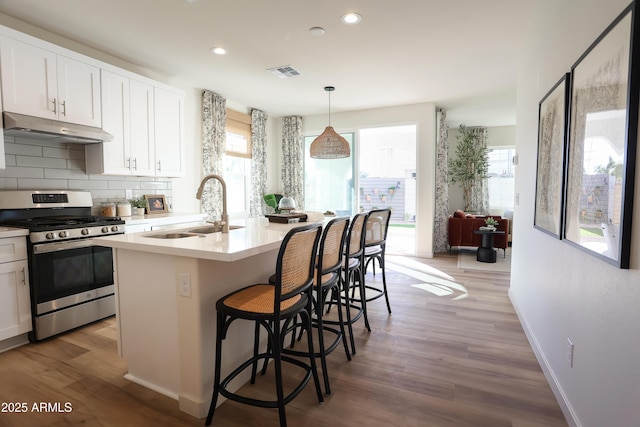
(559, 291)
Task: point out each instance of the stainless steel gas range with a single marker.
(71, 276)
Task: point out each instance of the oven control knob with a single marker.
(63, 234)
(115, 228)
(105, 229)
(84, 231)
(49, 236)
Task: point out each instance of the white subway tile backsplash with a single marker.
(45, 184)
(24, 150)
(42, 162)
(12, 171)
(34, 164)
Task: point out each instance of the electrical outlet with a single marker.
(128, 194)
(184, 285)
(570, 352)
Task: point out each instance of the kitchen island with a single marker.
(166, 290)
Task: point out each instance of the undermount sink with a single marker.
(179, 235)
(208, 229)
(193, 232)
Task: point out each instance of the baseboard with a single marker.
(556, 387)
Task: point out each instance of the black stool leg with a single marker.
(216, 376)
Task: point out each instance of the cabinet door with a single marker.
(169, 128)
(28, 79)
(78, 92)
(113, 157)
(142, 130)
(15, 306)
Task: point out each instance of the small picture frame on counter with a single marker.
(156, 203)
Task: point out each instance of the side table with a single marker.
(486, 251)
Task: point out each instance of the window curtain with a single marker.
(293, 159)
(440, 231)
(480, 189)
(214, 121)
(258, 162)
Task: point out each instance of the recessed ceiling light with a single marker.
(218, 50)
(316, 31)
(351, 18)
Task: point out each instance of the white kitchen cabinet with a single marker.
(127, 108)
(15, 305)
(147, 123)
(169, 132)
(39, 82)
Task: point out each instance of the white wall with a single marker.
(423, 115)
(560, 292)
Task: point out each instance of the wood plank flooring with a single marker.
(452, 354)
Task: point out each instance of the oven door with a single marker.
(62, 270)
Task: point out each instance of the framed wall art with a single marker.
(156, 203)
(553, 113)
(603, 136)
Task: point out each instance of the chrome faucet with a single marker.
(225, 217)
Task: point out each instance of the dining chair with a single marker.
(273, 307)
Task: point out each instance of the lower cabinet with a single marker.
(15, 305)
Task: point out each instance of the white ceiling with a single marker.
(459, 54)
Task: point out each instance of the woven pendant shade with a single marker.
(329, 145)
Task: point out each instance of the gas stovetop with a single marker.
(55, 215)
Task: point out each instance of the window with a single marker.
(501, 180)
(237, 163)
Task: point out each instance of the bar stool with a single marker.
(273, 307)
(374, 250)
(327, 284)
(352, 273)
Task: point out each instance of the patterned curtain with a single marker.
(293, 159)
(214, 121)
(258, 162)
(440, 225)
(480, 189)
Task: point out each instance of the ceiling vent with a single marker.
(284, 71)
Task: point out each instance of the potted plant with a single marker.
(140, 204)
(470, 164)
(491, 222)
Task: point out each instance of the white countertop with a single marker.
(163, 218)
(257, 236)
(12, 232)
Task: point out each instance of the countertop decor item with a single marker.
(329, 144)
(287, 204)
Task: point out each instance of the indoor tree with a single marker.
(470, 164)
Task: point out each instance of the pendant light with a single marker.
(329, 145)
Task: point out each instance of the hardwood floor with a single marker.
(452, 354)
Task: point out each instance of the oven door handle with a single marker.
(62, 246)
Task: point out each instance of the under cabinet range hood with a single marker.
(52, 130)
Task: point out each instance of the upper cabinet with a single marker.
(147, 124)
(145, 117)
(169, 132)
(41, 83)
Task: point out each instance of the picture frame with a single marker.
(553, 114)
(156, 203)
(603, 134)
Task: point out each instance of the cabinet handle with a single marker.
(135, 163)
(64, 108)
(55, 110)
(159, 167)
(129, 163)
(24, 277)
